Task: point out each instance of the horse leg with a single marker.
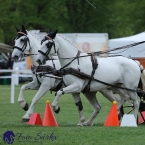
(42, 90)
(136, 102)
(79, 105)
(124, 97)
(143, 79)
(32, 86)
(96, 105)
(142, 74)
(73, 88)
(113, 97)
(109, 95)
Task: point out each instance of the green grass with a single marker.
(67, 133)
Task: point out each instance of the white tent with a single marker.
(135, 51)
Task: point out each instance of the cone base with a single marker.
(128, 120)
(35, 119)
(141, 120)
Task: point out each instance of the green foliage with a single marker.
(117, 18)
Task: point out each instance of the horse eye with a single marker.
(49, 45)
(22, 40)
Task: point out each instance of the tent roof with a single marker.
(5, 48)
(137, 38)
(137, 51)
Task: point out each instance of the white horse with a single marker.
(25, 41)
(111, 70)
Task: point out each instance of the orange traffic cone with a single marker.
(49, 119)
(142, 117)
(112, 118)
(35, 119)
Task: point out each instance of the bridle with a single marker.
(49, 46)
(25, 42)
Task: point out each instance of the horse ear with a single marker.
(17, 29)
(50, 30)
(23, 29)
(54, 34)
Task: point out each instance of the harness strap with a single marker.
(77, 56)
(16, 47)
(43, 54)
(22, 33)
(82, 75)
(94, 66)
(53, 64)
(49, 45)
(75, 72)
(49, 70)
(57, 87)
(46, 68)
(78, 59)
(33, 69)
(24, 45)
(38, 80)
(128, 89)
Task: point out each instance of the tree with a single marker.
(117, 18)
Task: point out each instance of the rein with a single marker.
(82, 75)
(50, 70)
(49, 46)
(107, 51)
(126, 46)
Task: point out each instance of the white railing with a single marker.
(16, 73)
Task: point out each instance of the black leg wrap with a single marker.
(57, 111)
(79, 104)
(26, 107)
(62, 91)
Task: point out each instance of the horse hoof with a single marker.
(80, 124)
(87, 124)
(24, 120)
(57, 111)
(120, 116)
(26, 107)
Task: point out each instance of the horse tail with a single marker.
(142, 77)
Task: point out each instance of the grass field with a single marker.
(67, 133)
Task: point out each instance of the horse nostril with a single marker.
(38, 61)
(15, 57)
(44, 61)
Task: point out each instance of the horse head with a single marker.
(48, 47)
(21, 43)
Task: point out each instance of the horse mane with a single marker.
(34, 36)
(69, 41)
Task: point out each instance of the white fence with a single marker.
(15, 74)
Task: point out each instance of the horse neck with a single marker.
(66, 50)
(35, 46)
